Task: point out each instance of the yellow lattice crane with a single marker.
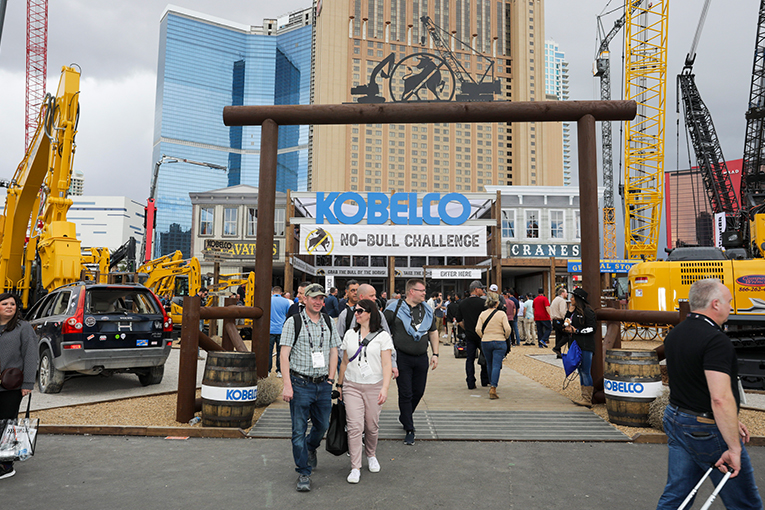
(646, 83)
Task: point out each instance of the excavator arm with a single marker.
(37, 195)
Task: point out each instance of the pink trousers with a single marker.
(363, 415)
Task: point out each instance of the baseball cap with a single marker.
(476, 284)
(314, 290)
(493, 287)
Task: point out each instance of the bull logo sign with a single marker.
(428, 77)
(319, 242)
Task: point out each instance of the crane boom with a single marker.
(602, 69)
(646, 84)
(471, 89)
(753, 170)
(706, 144)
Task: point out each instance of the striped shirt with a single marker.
(314, 333)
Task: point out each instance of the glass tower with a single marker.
(206, 63)
(556, 84)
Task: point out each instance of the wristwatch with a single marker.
(330, 380)
(435, 354)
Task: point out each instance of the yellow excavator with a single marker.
(171, 277)
(39, 249)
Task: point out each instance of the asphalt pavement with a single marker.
(97, 472)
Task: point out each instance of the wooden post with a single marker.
(289, 243)
(588, 205)
(553, 289)
(228, 344)
(216, 278)
(391, 276)
(264, 258)
(497, 241)
(187, 370)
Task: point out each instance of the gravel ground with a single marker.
(159, 410)
(552, 377)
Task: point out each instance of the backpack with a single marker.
(348, 318)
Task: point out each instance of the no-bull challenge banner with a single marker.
(403, 224)
(398, 240)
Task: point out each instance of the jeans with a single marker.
(544, 328)
(274, 340)
(309, 400)
(471, 349)
(412, 376)
(693, 448)
(494, 353)
(585, 370)
(516, 339)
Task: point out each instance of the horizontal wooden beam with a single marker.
(414, 113)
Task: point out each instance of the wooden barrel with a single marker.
(632, 380)
(229, 388)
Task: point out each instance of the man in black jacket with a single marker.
(467, 316)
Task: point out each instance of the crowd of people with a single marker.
(362, 342)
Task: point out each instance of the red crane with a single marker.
(37, 63)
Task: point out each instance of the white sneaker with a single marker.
(374, 466)
(354, 476)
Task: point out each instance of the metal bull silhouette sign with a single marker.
(428, 76)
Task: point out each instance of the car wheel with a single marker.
(153, 375)
(50, 379)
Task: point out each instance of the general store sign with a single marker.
(606, 266)
(399, 240)
(235, 248)
(543, 250)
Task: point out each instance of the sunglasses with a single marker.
(359, 310)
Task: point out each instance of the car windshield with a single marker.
(121, 300)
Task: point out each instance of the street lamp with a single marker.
(150, 209)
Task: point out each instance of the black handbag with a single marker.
(337, 436)
(11, 378)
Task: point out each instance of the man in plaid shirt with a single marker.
(311, 362)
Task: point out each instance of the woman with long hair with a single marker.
(18, 349)
(582, 329)
(494, 330)
(365, 376)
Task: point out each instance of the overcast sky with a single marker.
(116, 45)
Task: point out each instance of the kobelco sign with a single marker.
(400, 208)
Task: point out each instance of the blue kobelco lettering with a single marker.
(377, 208)
(237, 394)
(623, 387)
(400, 209)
